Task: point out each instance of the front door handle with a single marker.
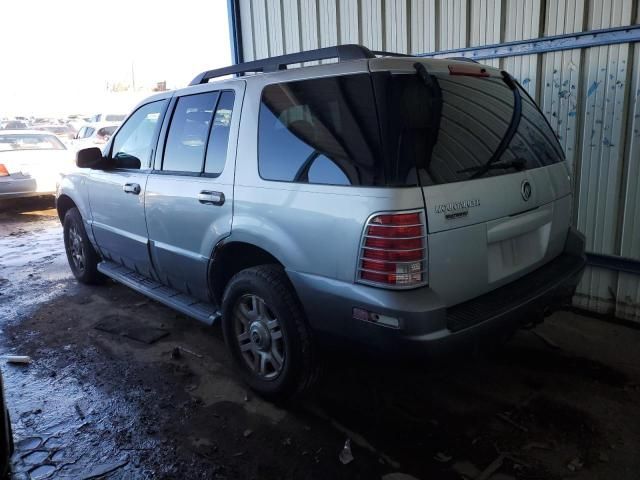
(211, 198)
(131, 188)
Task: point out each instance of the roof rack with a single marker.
(273, 64)
(462, 59)
(380, 53)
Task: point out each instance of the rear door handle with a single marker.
(131, 188)
(211, 198)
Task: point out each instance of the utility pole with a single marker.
(133, 78)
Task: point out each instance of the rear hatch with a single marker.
(496, 187)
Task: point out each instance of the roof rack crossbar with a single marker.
(341, 52)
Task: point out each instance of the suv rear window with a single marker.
(455, 127)
(389, 129)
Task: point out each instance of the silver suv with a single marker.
(405, 204)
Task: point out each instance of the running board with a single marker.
(194, 308)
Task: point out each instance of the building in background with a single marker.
(588, 86)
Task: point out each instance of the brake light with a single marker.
(470, 70)
(393, 251)
(3, 171)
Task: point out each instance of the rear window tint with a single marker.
(322, 131)
(389, 129)
(188, 132)
(535, 137)
(475, 116)
(216, 155)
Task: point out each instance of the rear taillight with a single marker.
(393, 251)
(3, 171)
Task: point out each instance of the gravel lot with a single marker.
(558, 402)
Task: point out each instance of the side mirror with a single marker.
(90, 158)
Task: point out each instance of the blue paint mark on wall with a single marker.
(526, 81)
(572, 114)
(593, 88)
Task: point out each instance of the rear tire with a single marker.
(267, 335)
(82, 257)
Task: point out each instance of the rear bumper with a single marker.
(426, 327)
(19, 187)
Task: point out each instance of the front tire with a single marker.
(267, 335)
(82, 257)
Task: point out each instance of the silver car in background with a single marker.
(31, 163)
(407, 205)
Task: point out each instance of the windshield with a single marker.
(29, 142)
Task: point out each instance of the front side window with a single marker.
(134, 143)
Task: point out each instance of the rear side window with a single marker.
(219, 137)
(321, 131)
(188, 133)
(197, 132)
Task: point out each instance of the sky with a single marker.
(57, 56)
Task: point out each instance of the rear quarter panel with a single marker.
(309, 228)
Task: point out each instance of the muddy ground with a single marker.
(558, 402)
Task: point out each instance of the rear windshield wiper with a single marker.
(511, 130)
(518, 164)
(435, 111)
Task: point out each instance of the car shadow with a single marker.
(430, 417)
(28, 209)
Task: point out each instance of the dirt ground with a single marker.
(558, 402)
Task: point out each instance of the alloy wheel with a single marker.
(76, 249)
(259, 336)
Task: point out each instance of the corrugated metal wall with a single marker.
(591, 96)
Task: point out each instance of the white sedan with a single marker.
(31, 163)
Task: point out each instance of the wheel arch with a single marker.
(64, 203)
(229, 258)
